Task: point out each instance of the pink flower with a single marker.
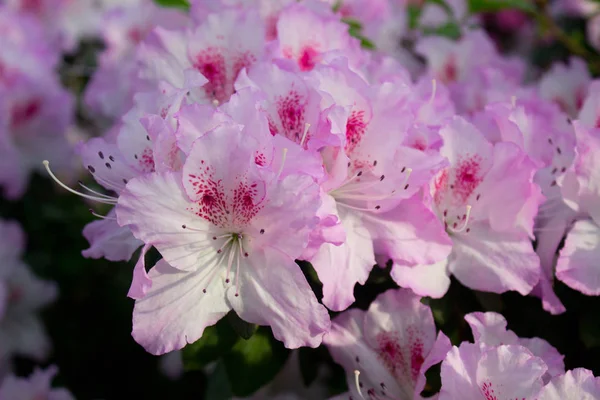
(229, 230)
(37, 386)
(371, 186)
(387, 349)
(472, 372)
(566, 85)
(489, 329)
(22, 294)
(576, 265)
(540, 129)
(487, 201)
(35, 110)
(306, 37)
(589, 115)
(578, 384)
(112, 86)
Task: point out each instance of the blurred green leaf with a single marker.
(450, 30)
(215, 341)
(254, 362)
(218, 387)
(244, 329)
(477, 6)
(183, 4)
(589, 329)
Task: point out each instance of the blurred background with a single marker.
(89, 323)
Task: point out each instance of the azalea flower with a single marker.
(387, 349)
(487, 201)
(36, 386)
(22, 294)
(371, 186)
(222, 224)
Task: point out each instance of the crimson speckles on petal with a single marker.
(355, 129)
(467, 177)
(290, 110)
(211, 63)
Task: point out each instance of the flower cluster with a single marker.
(247, 135)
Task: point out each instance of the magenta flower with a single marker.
(222, 224)
(387, 349)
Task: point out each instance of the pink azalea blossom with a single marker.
(37, 386)
(576, 265)
(487, 201)
(371, 187)
(473, 372)
(35, 111)
(540, 129)
(566, 85)
(589, 115)
(222, 224)
(489, 329)
(112, 86)
(22, 294)
(307, 37)
(579, 384)
(387, 349)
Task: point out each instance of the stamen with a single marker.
(433, 91)
(93, 191)
(513, 101)
(111, 200)
(465, 217)
(229, 262)
(283, 158)
(184, 226)
(305, 134)
(357, 383)
(237, 270)
(215, 102)
(101, 216)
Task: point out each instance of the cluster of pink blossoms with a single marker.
(247, 135)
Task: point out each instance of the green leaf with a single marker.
(254, 362)
(450, 30)
(215, 341)
(218, 387)
(183, 4)
(477, 6)
(242, 328)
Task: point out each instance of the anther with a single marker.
(382, 177)
(215, 103)
(359, 173)
(262, 231)
(377, 207)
